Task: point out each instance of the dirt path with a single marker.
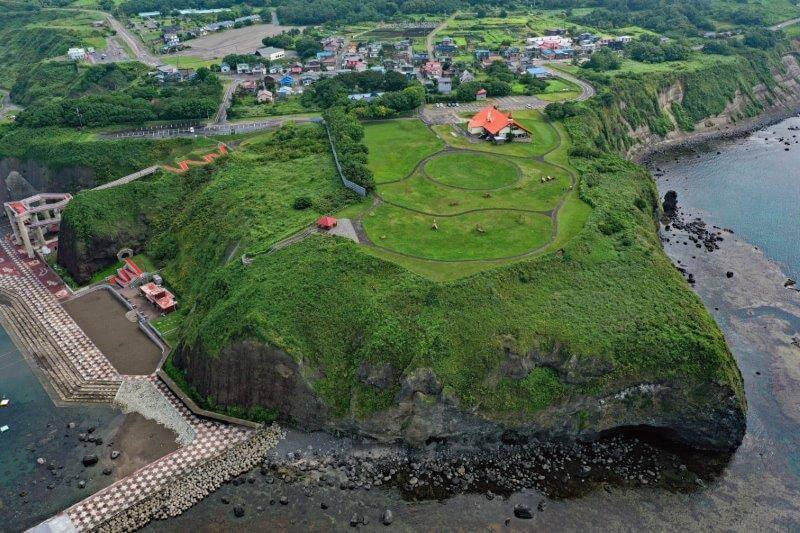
(432, 35)
(133, 42)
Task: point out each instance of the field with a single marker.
(243, 40)
(397, 147)
(469, 202)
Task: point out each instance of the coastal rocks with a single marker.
(387, 517)
(380, 377)
(89, 460)
(523, 512)
(670, 204)
(238, 511)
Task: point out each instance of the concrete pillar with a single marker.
(23, 230)
(11, 214)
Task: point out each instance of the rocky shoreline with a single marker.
(183, 492)
(645, 154)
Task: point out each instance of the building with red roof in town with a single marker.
(491, 122)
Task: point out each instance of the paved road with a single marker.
(431, 114)
(222, 113)
(201, 130)
(785, 24)
(138, 48)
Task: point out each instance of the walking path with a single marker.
(78, 371)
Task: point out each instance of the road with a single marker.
(785, 24)
(429, 40)
(222, 113)
(431, 114)
(138, 48)
(205, 130)
(7, 107)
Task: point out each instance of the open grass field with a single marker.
(466, 170)
(472, 206)
(468, 236)
(236, 41)
(397, 146)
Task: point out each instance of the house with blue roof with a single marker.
(540, 72)
(287, 81)
(482, 54)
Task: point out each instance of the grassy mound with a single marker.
(472, 171)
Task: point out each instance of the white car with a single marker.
(191, 129)
(528, 106)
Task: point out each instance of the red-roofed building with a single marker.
(326, 222)
(491, 122)
(481, 94)
(432, 69)
(159, 296)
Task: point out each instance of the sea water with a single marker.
(31, 492)
(751, 185)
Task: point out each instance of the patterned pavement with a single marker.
(41, 289)
(212, 439)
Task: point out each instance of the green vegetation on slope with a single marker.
(106, 160)
(29, 35)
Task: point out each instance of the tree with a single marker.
(602, 60)
(307, 47)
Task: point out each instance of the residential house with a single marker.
(217, 26)
(287, 80)
(364, 97)
(482, 54)
(313, 65)
(76, 54)
(249, 86)
(271, 53)
(325, 53)
(512, 52)
(265, 97)
(329, 63)
(243, 68)
(466, 77)
(309, 78)
(491, 122)
(432, 69)
(481, 94)
(374, 49)
(297, 68)
(253, 19)
(225, 68)
(540, 72)
(491, 59)
(420, 57)
(258, 69)
(285, 92)
(445, 85)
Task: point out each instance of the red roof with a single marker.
(481, 91)
(493, 120)
(326, 222)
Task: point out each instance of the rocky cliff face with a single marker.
(703, 416)
(782, 99)
(42, 178)
(83, 257)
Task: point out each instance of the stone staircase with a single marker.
(77, 370)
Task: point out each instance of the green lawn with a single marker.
(559, 89)
(477, 235)
(472, 171)
(397, 146)
(443, 212)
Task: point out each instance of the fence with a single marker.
(353, 186)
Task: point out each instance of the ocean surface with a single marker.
(751, 185)
(31, 492)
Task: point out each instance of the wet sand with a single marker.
(103, 319)
(141, 442)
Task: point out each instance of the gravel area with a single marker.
(141, 396)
